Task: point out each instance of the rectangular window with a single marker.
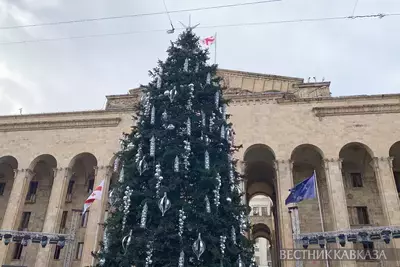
(2, 187)
(264, 211)
(362, 215)
(256, 211)
(79, 250)
(90, 185)
(31, 196)
(85, 219)
(57, 253)
(24, 221)
(17, 251)
(63, 221)
(397, 180)
(69, 191)
(356, 179)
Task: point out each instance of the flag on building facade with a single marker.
(208, 41)
(96, 194)
(304, 190)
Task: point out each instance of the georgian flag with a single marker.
(96, 194)
(208, 41)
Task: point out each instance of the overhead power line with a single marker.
(135, 15)
(380, 16)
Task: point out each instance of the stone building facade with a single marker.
(288, 128)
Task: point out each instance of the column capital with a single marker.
(29, 173)
(326, 162)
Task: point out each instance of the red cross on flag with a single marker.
(208, 41)
(97, 193)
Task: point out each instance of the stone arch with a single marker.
(307, 159)
(360, 183)
(260, 179)
(37, 191)
(263, 238)
(8, 164)
(394, 152)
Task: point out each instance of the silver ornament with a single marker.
(171, 127)
(181, 259)
(203, 118)
(166, 92)
(197, 67)
(216, 190)
(222, 240)
(240, 263)
(164, 204)
(224, 112)
(149, 253)
(172, 94)
(207, 201)
(208, 81)
(126, 241)
(142, 166)
(206, 160)
(143, 218)
(159, 178)
(182, 218)
(199, 247)
(164, 115)
(116, 164)
(152, 146)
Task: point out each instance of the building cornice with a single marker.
(59, 124)
(257, 75)
(356, 110)
(84, 113)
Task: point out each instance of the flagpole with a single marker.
(320, 215)
(215, 48)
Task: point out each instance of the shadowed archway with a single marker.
(8, 164)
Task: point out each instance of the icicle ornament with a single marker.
(121, 175)
(116, 164)
(186, 65)
(208, 81)
(181, 262)
(207, 202)
(182, 218)
(143, 218)
(223, 131)
(206, 160)
(224, 112)
(216, 99)
(233, 233)
(172, 94)
(222, 241)
(203, 118)
(197, 67)
(176, 164)
(164, 204)
(199, 247)
(243, 223)
(152, 146)
(212, 119)
(159, 179)
(159, 82)
(216, 190)
(240, 263)
(153, 116)
(186, 162)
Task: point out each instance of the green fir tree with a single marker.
(178, 203)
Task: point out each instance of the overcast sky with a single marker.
(358, 56)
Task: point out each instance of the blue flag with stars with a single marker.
(303, 190)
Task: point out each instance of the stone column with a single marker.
(337, 201)
(383, 167)
(54, 211)
(284, 182)
(96, 216)
(16, 202)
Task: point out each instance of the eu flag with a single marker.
(303, 190)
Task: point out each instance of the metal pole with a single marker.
(320, 215)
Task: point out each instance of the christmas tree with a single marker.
(177, 202)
